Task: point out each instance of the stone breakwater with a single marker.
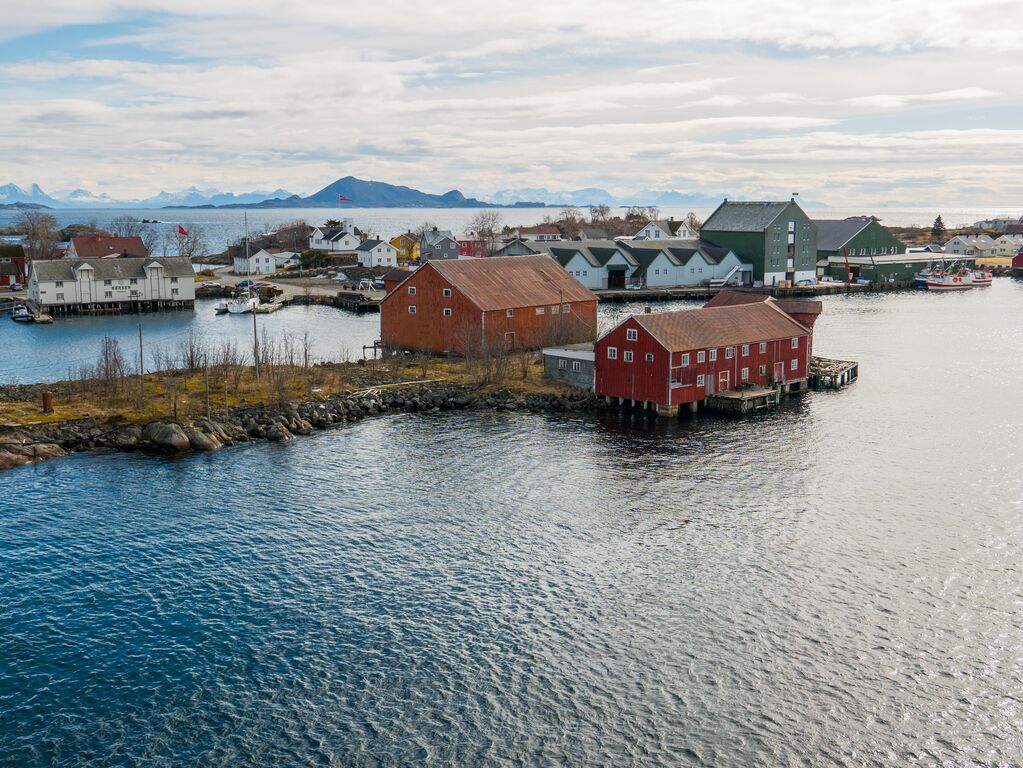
(25, 445)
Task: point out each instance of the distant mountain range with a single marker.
(358, 193)
(589, 196)
(11, 194)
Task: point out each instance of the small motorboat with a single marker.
(242, 305)
(221, 308)
(21, 314)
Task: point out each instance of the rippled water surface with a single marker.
(838, 583)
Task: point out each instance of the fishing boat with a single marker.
(21, 314)
(950, 280)
(221, 308)
(981, 277)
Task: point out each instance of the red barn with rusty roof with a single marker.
(677, 358)
(500, 303)
(101, 247)
(805, 311)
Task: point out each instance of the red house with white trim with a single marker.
(1017, 264)
(672, 359)
(12, 264)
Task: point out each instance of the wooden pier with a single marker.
(353, 301)
(832, 374)
(742, 401)
(704, 293)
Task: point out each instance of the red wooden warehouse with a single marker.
(671, 359)
(495, 304)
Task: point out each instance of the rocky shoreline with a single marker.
(245, 424)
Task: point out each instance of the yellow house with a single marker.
(407, 246)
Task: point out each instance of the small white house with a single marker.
(377, 253)
(262, 262)
(342, 239)
(287, 259)
(674, 263)
(1007, 245)
(597, 264)
(665, 229)
(961, 245)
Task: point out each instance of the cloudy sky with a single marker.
(900, 102)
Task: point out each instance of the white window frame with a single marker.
(701, 356)
(509, 313)
(411, 309)
(701, 380)
(763, 370)
(745, 374)
(446, 312)
(631, 334)
(445, 292)
(566, 308)
(795, 343)
(794, 364)
(763, 347)
(562, 364)
(411, 290)
(713, 354)
(649, 357)
(541, 310)
(745, 350)
(628, 355)
(729, 353)
(685, 359)
(577, 366)
(612, 353)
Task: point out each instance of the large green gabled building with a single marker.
(777, 238)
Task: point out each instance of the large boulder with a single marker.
(127, 437)
(169, 438)
(198, 441)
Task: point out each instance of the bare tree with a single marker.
(599, 213)
(485, 226)
(111, 367)
(40, 232)
(193, 243)
(129, 226)
(693, 222)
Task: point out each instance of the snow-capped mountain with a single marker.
(12, 193)
(596, 196)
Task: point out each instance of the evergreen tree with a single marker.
(938, 229)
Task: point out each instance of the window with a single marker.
(411, 290)
(60, 296)
(701, 356)
(509, 313)
(700, 380)
(763, 347)
(729, 353)
(108, 282)
(577, 366)
(793, 364)
(174, 279)
(792, 226)
(763, 370)
(745, 350)
(411, 309)
(649, 357)
(555, 309)
(585, 272)
(562, 365)
(795, 343)
(446, 311)
(631, 334)
(685, 359)
(628, 355)
(713, 355)
(745, 374)
(174, 291)
(133, 281)
(565, 309)
(541, 310)
(446, 292)
(60, 283)
(108, 294)
(612, 353)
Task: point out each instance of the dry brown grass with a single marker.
(183, 394)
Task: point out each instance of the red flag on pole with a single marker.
(342, 197)
(181, 231)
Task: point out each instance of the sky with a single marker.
(899, 102)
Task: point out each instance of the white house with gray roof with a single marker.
(676, 263)
(665, 229)
(377, 253)
(134, 283)
(343, 239)
(597, 264)
(438, 244)
(968, 245)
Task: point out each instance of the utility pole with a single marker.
(206, 377)
(255, 345)
(142, 370)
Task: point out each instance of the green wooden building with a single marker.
(871, 250)
(777, 238)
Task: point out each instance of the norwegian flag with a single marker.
(342, 197)
(181, 231)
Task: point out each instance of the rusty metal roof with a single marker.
(684, 330)
(98, 246)
(509, 282)
(732, 298)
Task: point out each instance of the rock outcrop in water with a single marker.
(24, 445)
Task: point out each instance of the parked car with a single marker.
(17, 287)
(209, 284)
(246, 284)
